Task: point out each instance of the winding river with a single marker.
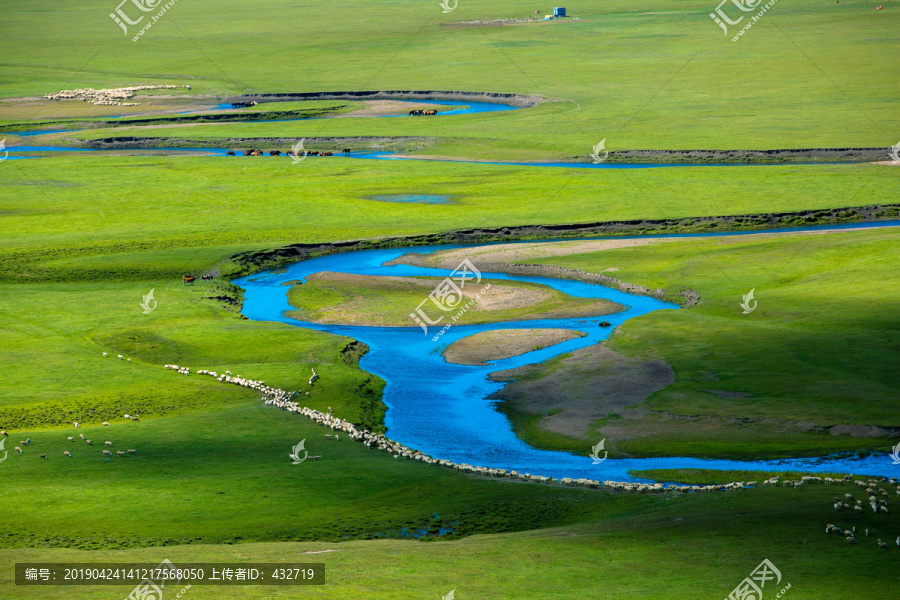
(443, 409)
(465, 108)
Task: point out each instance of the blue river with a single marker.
(444, 409)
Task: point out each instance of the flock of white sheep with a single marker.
(71, 438)
(108, 97)
(878, 505)
(285, 400)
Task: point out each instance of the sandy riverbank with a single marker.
(504, 343)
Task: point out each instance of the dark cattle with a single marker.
(248, 152)
(275, 153)
(229, 153)
(256, 153)
(242, 104)
(327, 154)
(207, 277)
(605, 324)
(43, 456)
(429, 112)
(186, 279)
(416, 112)
(346, 150)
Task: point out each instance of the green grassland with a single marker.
(679, 548)
(69, 215)
(85, 238)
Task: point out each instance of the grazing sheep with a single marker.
(858, 508)
(43, 456)
(75, 424)
(133, 419)
(898, 540)
(67, 453)
(131, 451)
(127, 416)
(867, 531)
(852, 540)
(89, 442)
(120, 453)
(849, 497)
(4, 433)
(121, 357)
(19, 450)
(108, 443)
(882, 544)
(105, 354)
(81, 435)
(71, 438)
(107, 453)
(105, 423)
(884, 509)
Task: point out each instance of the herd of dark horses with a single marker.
(286, 153)
(417, 113)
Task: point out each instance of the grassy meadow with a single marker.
(85, 237)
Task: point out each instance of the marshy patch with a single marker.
(412, 198)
